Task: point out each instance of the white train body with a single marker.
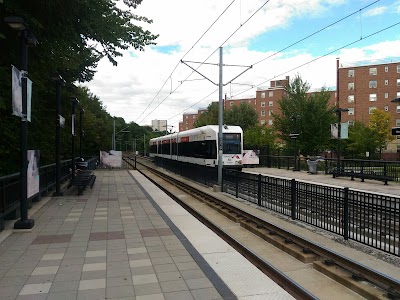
(200, 146)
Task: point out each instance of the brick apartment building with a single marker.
(363, 88)
(265, 103)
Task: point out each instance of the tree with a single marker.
(361, 139)
(380, 122)
(242, 115)
(259, 137)
(307, 114)
(209, 117)
(74, 35)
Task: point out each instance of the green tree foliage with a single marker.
(380, 122)
(362, 139)
(259, 137)
(307, 114)
(209, 117)
(242, 115)
(74, 35)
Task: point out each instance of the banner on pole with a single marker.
(33, 173)
(16, 92)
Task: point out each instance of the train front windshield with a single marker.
(232, 143)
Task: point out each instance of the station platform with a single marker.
(374, 186)
(124, 239)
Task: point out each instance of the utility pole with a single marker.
(220, 119)
(220, 104)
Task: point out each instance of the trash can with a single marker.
(312, 166)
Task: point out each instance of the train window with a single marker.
(231, 143)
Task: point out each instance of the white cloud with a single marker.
(376, 11)
(128, 89)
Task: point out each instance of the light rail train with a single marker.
(200, 146)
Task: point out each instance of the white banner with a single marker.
(16, 92)
(33, 172)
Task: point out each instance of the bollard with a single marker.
(346, 213)
(293, 198)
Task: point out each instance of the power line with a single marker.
(241, 25)
(316, 32)
(317, 58)
(198, 40)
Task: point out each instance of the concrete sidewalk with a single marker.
(393, 188)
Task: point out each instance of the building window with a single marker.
(351, 111)
(398, 95)
(386, 95)
(351, 73)
(350, 98)
(386, 82)
(398, 82)
(397, 122)
(371, 109)
(386, 69)
(270, 94)
(350, 86)
(263, 104)
(263, 95)
(270, 113)
(373, 71)
(263, 113)
(398, 109)
(398, 68)
(262, 122)
(231, 104)
(350, 122)
(242, 102)
(187, 122)
(269, 122)
(187, 117)
(372, 97)
(372, 84)
(270, 103)
(386, 107)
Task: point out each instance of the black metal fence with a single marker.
(10, 187)
(368, 218)
(380, 168)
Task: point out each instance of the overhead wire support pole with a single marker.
(220, 119)
(220, 105)
(199, 73)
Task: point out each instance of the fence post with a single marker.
(259, 190)
(237, 186)
(346, 213)
(326, 165)
(293, 198)
(135, 163)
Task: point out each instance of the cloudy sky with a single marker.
(277, 38)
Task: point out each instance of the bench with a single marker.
(82, 180)
(362, 175)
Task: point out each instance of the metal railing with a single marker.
(377, 168)
(368, 218)
(10, 187)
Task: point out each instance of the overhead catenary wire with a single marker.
(322, 56)
(297, 42)
(200, 64)
(198, 40)
(318, 31)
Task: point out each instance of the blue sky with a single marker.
(154, 84)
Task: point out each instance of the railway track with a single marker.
(258, 240)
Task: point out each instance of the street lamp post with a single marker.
(339, 111)
(27, 39)
(74, 103)
(59, 82)
(294, 135)
(81, 132)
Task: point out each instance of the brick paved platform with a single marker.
(115, 242)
